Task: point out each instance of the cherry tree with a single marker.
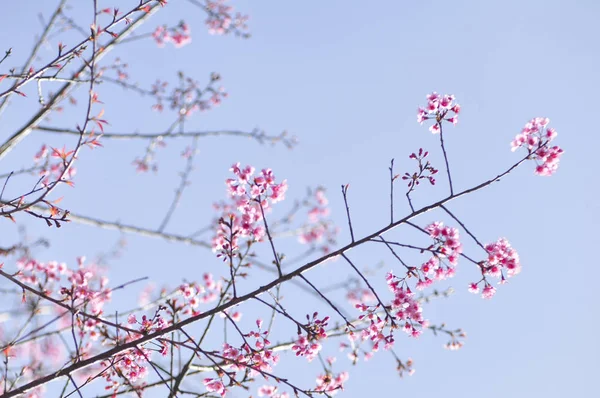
(227, 332)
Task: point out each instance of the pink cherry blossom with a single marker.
(473, 288)
(439, 108)
(488, 292)
(271, 392)
(502, 262)
(330, 384)
(308, 345)
(215, 385)
(221, 19)
(250, 196)
(536, 137)
(446, 248)
(179, 35)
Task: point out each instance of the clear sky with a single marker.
(346, 79)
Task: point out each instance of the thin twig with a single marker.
(183, 183)
(275, 255)
(445, 158)
(392, 191)
(344, 193)
(463, 227)
(383, 306)
(327, 300)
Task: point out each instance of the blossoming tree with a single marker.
(61, 339)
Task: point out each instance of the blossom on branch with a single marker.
(536, 137)
(252, 196)
(502, 262)
(439, 108)
(179, 35)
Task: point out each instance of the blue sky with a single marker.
(346, 79)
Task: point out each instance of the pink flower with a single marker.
(236, 316)
(502, 260)
(178, 35)
(446, 246)
(250, 197)
(473, 288)
(535, 137)
(329, 384)
(215, 385)
(304, 348)
(41, 154)
(454, 345)
(439, 108)
(267, 391)
(488, 292)
(221, 19)
(421, 115)
(501, 256)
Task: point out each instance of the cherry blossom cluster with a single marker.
(433, 269)
(406, 308)
(403, 308)
(502, 258)
(252, 196)
(308, 345)
(439, 107)
(405, 367)
(34, 272)
(159, 90)
(353, 355)
(536, 137)
(454, 344)
(52, 165)
(221, 20)
(48, 351)
(52, 162)
(215, 385)
(425, 170)
(178, 35)
(91, 296)
(85, 285)
(147, 162)
(257, 358)
(188, 152)
(131, 365)
(330, 384)
(118, 66)
(447, 243)
(360, 295)
(188, 97)
(319, 232)
(319, 209)
(319, 228)
(259, 188)
(195, 294)
(446, 246)
(83, 288)
(271, 392)
(148, 325)
(375, 332)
